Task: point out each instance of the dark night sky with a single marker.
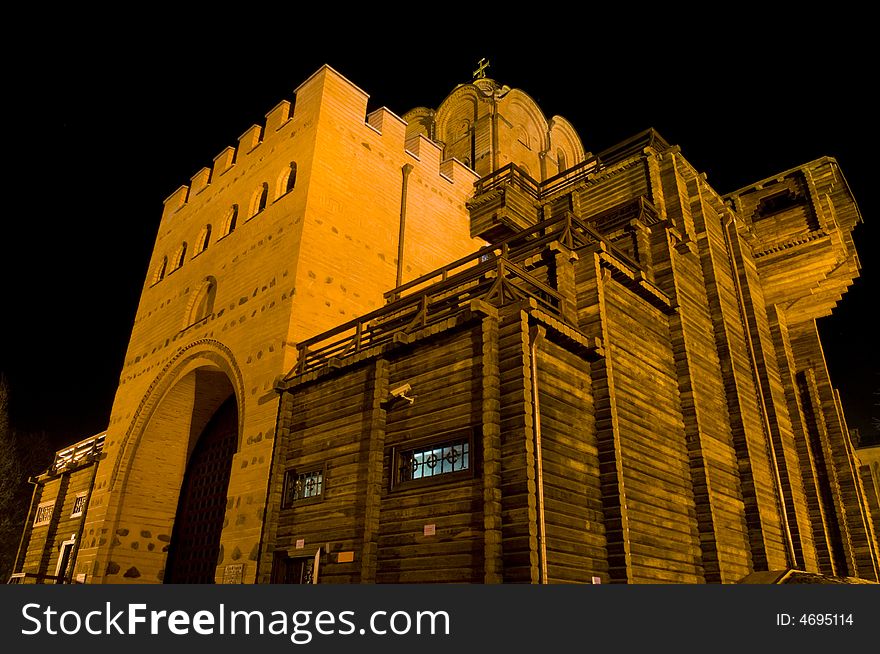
(108, 127)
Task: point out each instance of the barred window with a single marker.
(44, 514)
(443, 459)
(300, 487)
(79, 505)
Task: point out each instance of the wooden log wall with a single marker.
(373, 455)
(856, 537)
(44, 541)
(796, 522)
(713, 462)
(474, 379)
(42, 536)
(807, 456)
(659, 497)
(648, 501)
(592, 321)
(612, 186)
(49, 552)
(872, 495)
(519, 502)
(872, 548)
(491, 452)
(575, 530)
(828, 486)
(328, 422)
(446, 380)
(763, 518)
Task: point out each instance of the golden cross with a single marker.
(482, 65)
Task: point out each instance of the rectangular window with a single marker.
(44, 513)
(442, 460)
(301, 487)
(79, 505)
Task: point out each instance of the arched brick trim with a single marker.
(181, 363)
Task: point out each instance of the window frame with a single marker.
(203, 241)
(296, 471)
(445, 438)
(82, 511)
(51, 514)
(259, 202)
(179, 259)
(230, 223)
(161, 271)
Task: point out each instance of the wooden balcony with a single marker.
(504, 203)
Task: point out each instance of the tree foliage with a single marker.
(21, 455)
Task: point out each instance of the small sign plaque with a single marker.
(345, 557)
(597, 580)
(430, 530)
(233, 573)
(301, 543)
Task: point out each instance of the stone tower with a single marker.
(303, 224)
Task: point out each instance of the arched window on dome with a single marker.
(561, 161)
(522, 136)
(462, 145)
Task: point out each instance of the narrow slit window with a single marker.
(204, 239)
(160, 271)
(231, 220)
(261, 197)
(180, 257)
(287, 180)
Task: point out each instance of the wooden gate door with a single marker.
(195, 541)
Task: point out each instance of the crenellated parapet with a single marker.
(275, 155)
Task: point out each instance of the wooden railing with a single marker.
(569, 177)
(511, 174)
(440, 294)
(423, 308)
(78, 452)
